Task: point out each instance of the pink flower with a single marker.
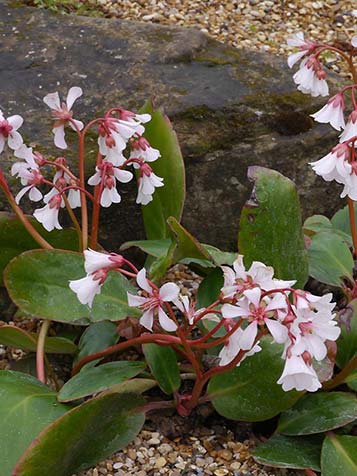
(8, 132)
(153, 304)
(63, 115)
(310, 78)
(48, 215)
(332, 113)
(148, 181)
(258, 311)
(335, 165)
(350, 131)
(299, 375)
(305, 47)
(107, 174)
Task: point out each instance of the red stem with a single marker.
(352, 217)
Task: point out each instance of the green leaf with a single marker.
(96, 379)
(26, 408)
(37, 282)
(351, 380)
(96, 337)
(210, 288)
(339, 456)
(134, 385)
(250, 392)
(347, 342)
(270, 226)
(317, 223)
(318, 412)
(290, 452)
(220, 257)
(163, 365)
(330, 259)
(156, 248)
(20, 339)
(83, 436)
(341, 220)
(15, 239)
(169, 199)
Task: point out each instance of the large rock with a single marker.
(231, 108)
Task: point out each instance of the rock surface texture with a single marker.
(231, 108)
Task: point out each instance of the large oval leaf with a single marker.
(250, 392)
(26, 408)
(169, 199)
(37, 282)
(14, 238)
(270, 228)
(97, 379)
(339, 456)
(319, 412)
(330, 259)
(163, 365)
(290, 452)
(83, 436)
(20, 339)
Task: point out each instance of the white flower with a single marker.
(30, 178)
(259, 311)
(237, 280)
(63, 114)
(88, 287)
(351, 128)
(95, 260)
(332, 113)
(335, 165)
(148, 181)
(153, 304)
(107, 174)
(8, 132)
(304, 46)
(232, 348)
(48, 215)
(354, 41)
(350, 188)
(299, 375)
(141, 149)
(310, 78)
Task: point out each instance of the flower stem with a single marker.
(40, 353)
(352, 217)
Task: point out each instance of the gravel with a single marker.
(259, 25)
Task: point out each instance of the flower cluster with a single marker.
(121, 144)
(252, 303)
(340, 163)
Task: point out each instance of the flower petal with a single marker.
(73, 94)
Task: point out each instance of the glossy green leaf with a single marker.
(250, 392)
(339, 456)
(169, 199)
(83, 436)
(220, 257)
(154, 248)
(330, 259)
(290, 452)
(318, 412)
(96, 379)
(37, 282)
(163, 365)
(96, 337)
(270, 227)
(26, 408)
(134, 385)
(210, 288)
(347, 342)
(20, 339)
(14, 238)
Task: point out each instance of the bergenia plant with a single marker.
(254, 341)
